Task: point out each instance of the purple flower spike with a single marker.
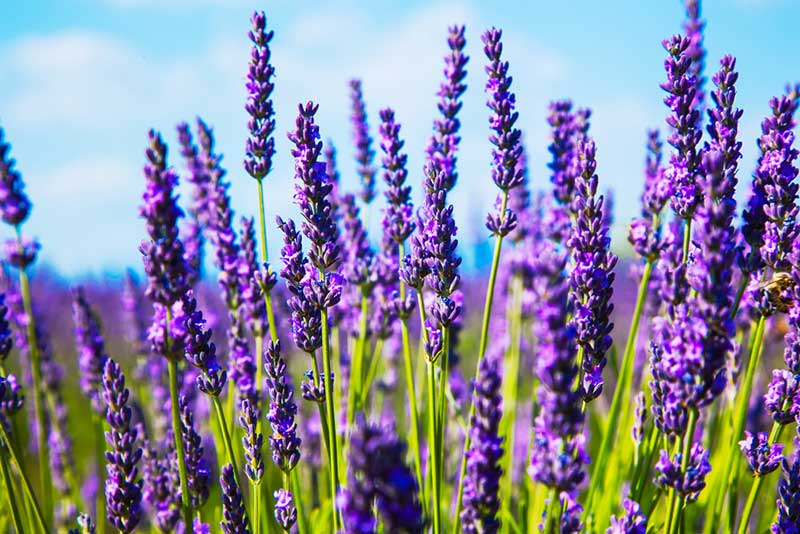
(312, 190)
(443, 144)
(260, 145)
(397, 219)
(201, 351)
(693, 27)
(161, 483)
(285, 511)
(571, 516)
(252, 301)
(379, 478)
(762, 457)
(688, 484)
(252, 442)
(123, 487)
(482, 482)
(782, 399)
(197, 471)
(788, 501)
(633, 522)
(21, 253)
(284, 441)
(506, 138)
(568, 129)
(92, 355)
(14, 204)
(592, 276)
(6, 338)
(682, 89)
(235, 520)
(12, 399)
(645, 232)
(163, 254)
(364, 152)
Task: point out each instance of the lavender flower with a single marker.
(762, 457)
(285, 511)
(123, 487)
(443, 144)
(163, 253)
(284, 441)
(633, 522)
(87, 525)
(682, 89)
(14, 204)
(161, 484)
(252, 302)
(21, 252)
(199, 207)
(12, 399)
(233, 511)
(397, 219)
(693, 27)
(592, 276)
(505, 137)
(639, 419)
(241, 362)
(6, 339)
(690, 483)
(200, 351)
(788, 501)
(568, 129)
(197, 471)
(363, 142)
(92, 355)
(260, 145)
(776, 126)
(482, 482)
(379, 477)
(571, 516)
(645, 231)
(252, 442)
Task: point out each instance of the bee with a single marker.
(776, 288)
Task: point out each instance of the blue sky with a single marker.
(82, 80)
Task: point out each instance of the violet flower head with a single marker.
(14, 204)
(92, 356)
(260, 145)
(198, 473)
(220, 224)
(639, 419)
(161, 483)
(359, 261)
(21, 252)
(12, 399)
(6, 336)
(123, 486)
(285, 511)
(200, 351)
(690, 483)
(505, 137)
(684, 118)
(569, 128)
(312, 190)
(762, 457)
(363, 141)
(86, 523)
(632, 522)
(592, 277)
(241, 363)
(252, 301)
(163, 254)
(776, 125)
(519, 200)
(443, 143)
(788, 501)
(571, 516)
(379, 478)
(782, 398)
(252, 442)
(693, 26)
(282, 413)
(482, 482)
(200, 205)
(645, 231)
(233, 511)
(397, 218)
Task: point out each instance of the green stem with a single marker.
(297, 493)
(622, 390)
(179, 450)
(226, 437)
(7, 481)
(487, 313)
(740, 412)
(372, 372)
(255, 498)
(26, 483)
(433, 457)
(551, 517)
(332, 437)
(441, 419)
(356, 369)
(687, 239)
(33, 346)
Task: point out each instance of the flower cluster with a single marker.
(260, 145)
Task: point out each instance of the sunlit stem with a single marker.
(26, 484)
(8, 483)
(179, 450)
(226, 437)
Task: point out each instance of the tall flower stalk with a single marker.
(506, 175)
(166, 270)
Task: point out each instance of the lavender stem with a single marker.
(26, 483)
(179, 450)
(7, 482)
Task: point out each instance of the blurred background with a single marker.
(81, 81)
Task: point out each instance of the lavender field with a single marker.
(357, 375)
